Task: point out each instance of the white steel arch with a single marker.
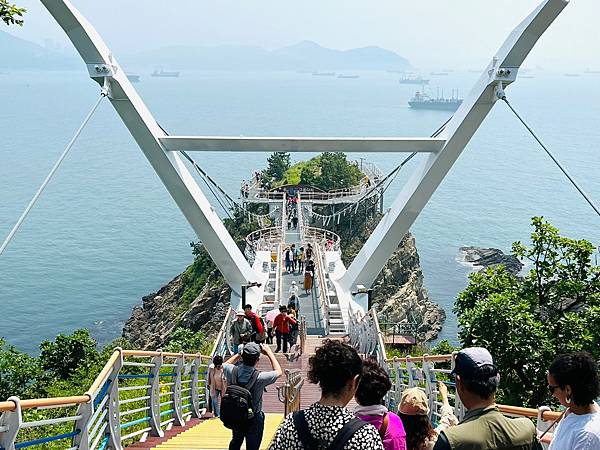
(443, 151)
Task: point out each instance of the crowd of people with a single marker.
(342, 375)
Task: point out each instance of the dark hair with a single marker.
(247, 306)
(218, 360)
(418, 429)
(333, 365)
(249, 360)
(282, 308)
(374, 384)
(484, 384)
(580, 371)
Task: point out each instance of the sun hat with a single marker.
(414, 403)
(240, 313)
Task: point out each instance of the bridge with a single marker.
(156, 399)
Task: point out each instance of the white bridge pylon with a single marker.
(443, 150)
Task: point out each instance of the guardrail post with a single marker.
(194, 391)
(114, 418)
(154, 393)
(82, 439)
(459, 408)
(430, 385)
(177, 403)
(10, 422)
(410, 369)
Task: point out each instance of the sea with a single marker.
(106, 232)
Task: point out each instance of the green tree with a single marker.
(308, 176)
(19, 372)
(279, 162)
(527, 321)
(188, 341)
(337, 172)
(11, 13)
(68, 353)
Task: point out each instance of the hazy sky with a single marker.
(430, 33)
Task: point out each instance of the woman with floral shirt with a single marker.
(336, 367)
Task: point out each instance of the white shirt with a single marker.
(294, 290)
(577, 432)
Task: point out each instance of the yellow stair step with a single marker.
(211, 434)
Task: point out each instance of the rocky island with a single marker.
(491, 257)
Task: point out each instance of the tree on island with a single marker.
(527, 321)
(279, 162)
(10, 13)
(337, 172)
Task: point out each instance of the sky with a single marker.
(454, 34)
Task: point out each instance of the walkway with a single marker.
(309, 303)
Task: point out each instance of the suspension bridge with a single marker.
(155, 399)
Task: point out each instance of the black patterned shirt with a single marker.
(324, 422)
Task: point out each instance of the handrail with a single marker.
(302, 334)
(323, 297)
(221, 342)
(289, 392)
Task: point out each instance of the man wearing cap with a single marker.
(484, 426)
(250, 356)
(258, 330)
(240, 329)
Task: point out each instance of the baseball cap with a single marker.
(469, 362)
(240, 312)
(251, 349)
(414, 403)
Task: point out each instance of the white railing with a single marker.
(222, 345)
(322, 288)
(327, 240)
(137, 393)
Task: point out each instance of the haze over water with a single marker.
(106, 232)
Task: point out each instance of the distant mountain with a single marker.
(305, 55)
(16, 53)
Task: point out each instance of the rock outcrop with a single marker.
(400, 296)
(491, 257)
(161, 312)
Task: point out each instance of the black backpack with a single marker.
(236, 404)
(341, 438)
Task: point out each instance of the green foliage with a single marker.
(19, 372)
(68, 353)
(337, 172)
(185, 340)
(279, 162)
(526, 322)
(11, 13)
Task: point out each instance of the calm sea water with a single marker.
(106, 232)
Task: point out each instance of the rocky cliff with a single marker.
(400, 296)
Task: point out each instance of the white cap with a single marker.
(293, 283)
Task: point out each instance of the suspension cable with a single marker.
(103, 93)
(556, 161)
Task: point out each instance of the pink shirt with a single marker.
(395, 436)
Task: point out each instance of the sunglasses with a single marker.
(552, 388)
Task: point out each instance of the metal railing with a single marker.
(392, 330)
(137, 393)
(328, 240)
(289, 392)
(222, 345)
(322, 288)
(302, 334)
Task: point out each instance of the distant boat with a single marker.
(413, 80)
(526, 76)
(134, 78)
(164, 74)
(423, 101)
(441, 74)
(475, 70)
(588, 70)
(323, 74)
(347, 76)
(572, 74)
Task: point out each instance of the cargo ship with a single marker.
(421, 100)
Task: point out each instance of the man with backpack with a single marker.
(241, 405)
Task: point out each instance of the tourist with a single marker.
(414, 412)
(484, 426)
(573, 381)
(309, 251)
(281, 325)
(293, 289)
(293, 257)
(309, 274)
(301, 260)
(245, 373)
(294, 327)
(240, 328)
(336, 368)
(217, 383)
(374, 385)
(293, 302)
(295, 221)
(258, 327)
(288, 257)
